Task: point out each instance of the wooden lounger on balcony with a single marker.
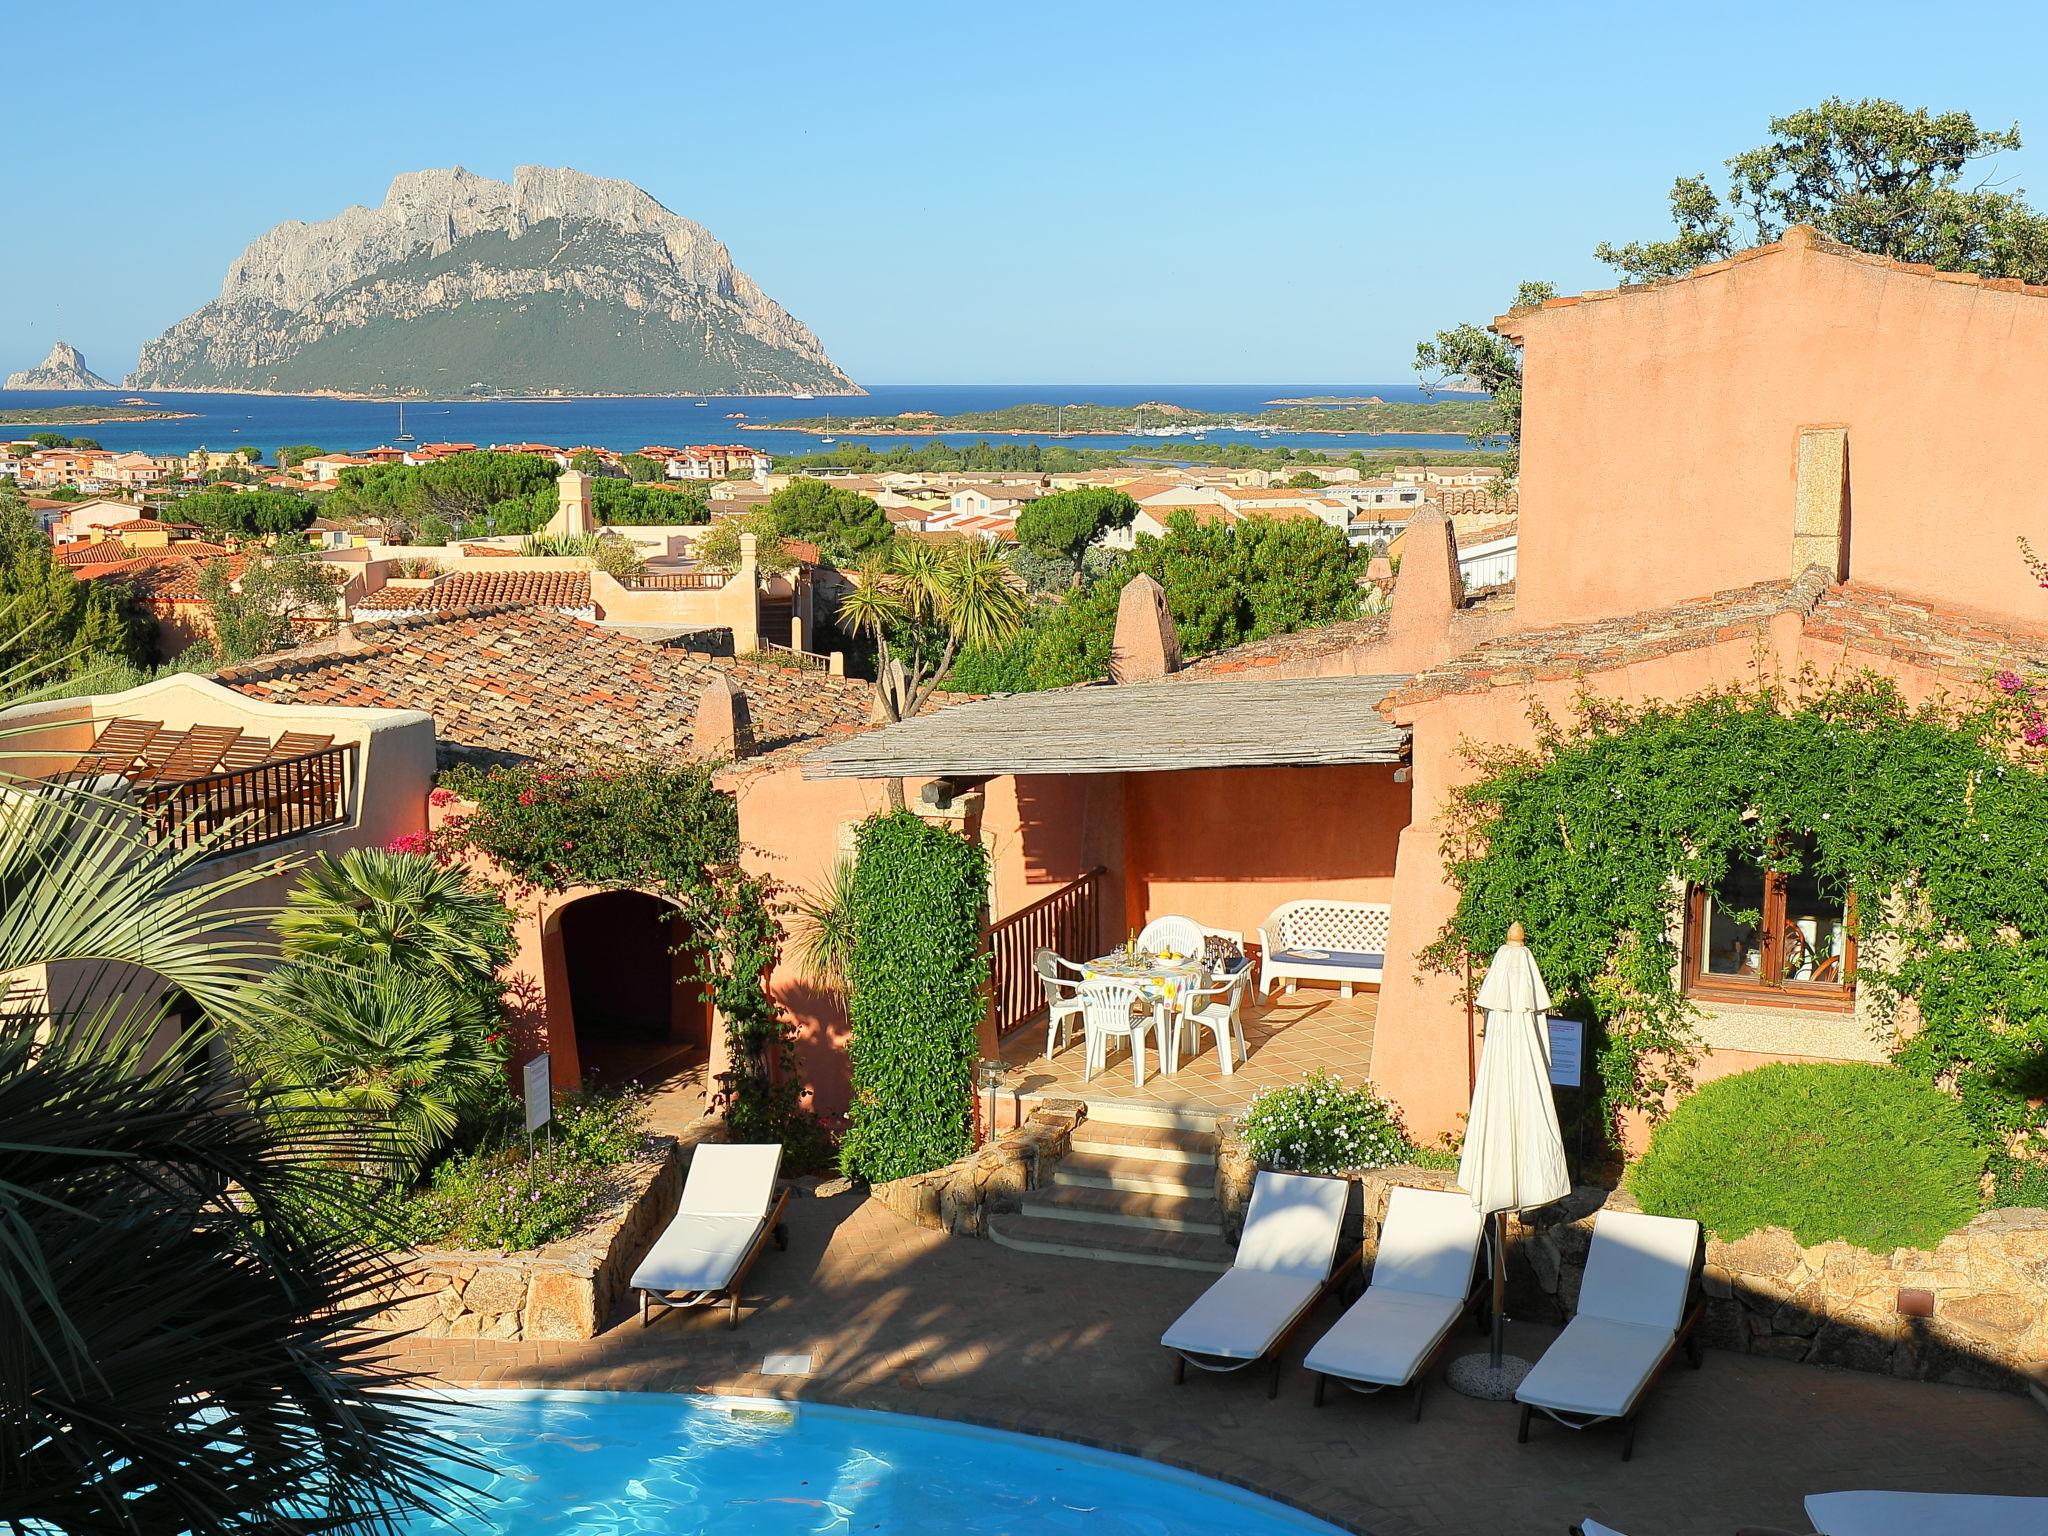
(199, 753)
(247, 752)
(119, 743)
(298, 744)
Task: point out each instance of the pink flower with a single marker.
(568, 842)
(2008, 682)
(441, 797)
(526, 797)
(410, 842)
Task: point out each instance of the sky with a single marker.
(1113, 192)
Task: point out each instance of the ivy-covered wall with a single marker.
(915, 996)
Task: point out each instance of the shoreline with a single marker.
(97, 421)
(940, 429)
(363, 399)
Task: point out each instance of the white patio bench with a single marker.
(1340, 941)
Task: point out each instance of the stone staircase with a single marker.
(1137, 1187)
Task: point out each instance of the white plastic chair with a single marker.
(1182, 935)
(1106, 1014)
(1218, 1008)
(1062, 997)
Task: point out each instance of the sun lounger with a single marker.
(1423, 1281)
(1285, 1262)
(1871, 1513)
(730, 1208)
(1636, 1307)
(115, 749)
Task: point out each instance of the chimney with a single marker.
(1429, 589)
(1820, 510)
(572, 506)
(723, 728)
(1147, 646)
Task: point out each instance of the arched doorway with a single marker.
(635, 1012)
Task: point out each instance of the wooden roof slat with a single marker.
(1134, 728)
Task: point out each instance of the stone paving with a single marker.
(899, 1318)
(1284, 1037)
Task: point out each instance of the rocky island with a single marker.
(64, 368)
(558, 283)
(1157, 418)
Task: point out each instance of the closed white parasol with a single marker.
(1514, 1152)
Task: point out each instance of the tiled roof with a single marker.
(489, 552)
(1563, 651)
(168, 578)
(1302, 646)
(528, 683)
(104, 552)
(486, 589)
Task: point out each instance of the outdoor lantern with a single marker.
(991, 1080)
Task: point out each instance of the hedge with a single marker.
(1864, 1154)
(915, 996)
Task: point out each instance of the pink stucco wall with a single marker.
(1659, 428)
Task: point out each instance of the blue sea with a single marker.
(273, 421)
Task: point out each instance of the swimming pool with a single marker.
(656, 1464)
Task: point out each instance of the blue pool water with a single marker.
(654, 1464)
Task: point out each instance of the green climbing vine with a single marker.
(670, 831)
(1934, 816)
(915, 996)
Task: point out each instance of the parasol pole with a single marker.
(1516, 934)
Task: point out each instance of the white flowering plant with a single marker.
(1322, 1125)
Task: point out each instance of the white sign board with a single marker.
(540, 1099)
(1567, 1053)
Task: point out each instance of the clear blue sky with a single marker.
(1103, 192)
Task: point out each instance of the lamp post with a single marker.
(990, 1073)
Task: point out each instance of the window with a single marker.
(1761, 936)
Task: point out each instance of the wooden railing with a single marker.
(250, 807)
(775, 655)
(675, 581)
(1067, 922)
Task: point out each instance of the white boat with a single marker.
(803, 395)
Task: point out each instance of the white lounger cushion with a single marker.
(1385, 1336)
(1428, 1243)
(1293, 1225)
(1595, 1367)
(1639, 1269)
(728, 1180)
(1926, 1514)
(1240, 1316)
(698, 1253)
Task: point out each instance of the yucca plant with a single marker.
(821, 935)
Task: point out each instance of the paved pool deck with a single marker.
(909, 1321)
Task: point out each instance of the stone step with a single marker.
(1134, 1175)
(1125, 1208)
(1157, 1143)
(1113, 1112)
(1112, 1245)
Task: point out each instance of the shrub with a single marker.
(1864, 1154)
(496, 1195)
(1319, 1125)
(915, 1001)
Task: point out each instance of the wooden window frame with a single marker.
(1769, 989)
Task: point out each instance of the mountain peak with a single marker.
(621, 296)
(64, 368)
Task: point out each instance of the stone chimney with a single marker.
(1147, 646)
(1429, 589)
(723, 729)
(1820, 513)
(572, 516)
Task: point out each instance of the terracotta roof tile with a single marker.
(528, 683)
(485, 589)
(1301, 647)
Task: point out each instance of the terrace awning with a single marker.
(1133, 728)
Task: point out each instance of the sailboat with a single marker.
(403, 435)
(828, 437)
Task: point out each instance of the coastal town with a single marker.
(1460, 954)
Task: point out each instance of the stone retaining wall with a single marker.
(960, 1197)
(565, 1290)
(1984, 1289)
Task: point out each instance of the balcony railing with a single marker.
(250, 807)
(675, 581)
(1066, 922)
(772, 655)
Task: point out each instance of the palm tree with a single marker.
(374, 907)
(372, 1046)
(823, 936)
(179, 1300)
(920, 603)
